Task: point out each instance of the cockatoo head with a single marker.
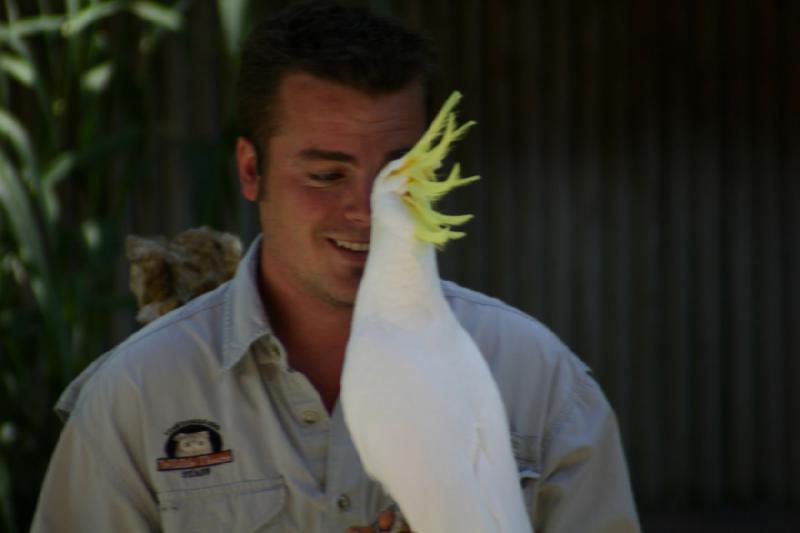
(413, 178)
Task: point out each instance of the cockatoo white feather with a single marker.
(419, 399)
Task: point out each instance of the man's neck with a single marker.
(314, 334)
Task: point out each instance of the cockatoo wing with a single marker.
(450, 469)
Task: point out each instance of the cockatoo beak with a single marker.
(392, 178)
(414, 177)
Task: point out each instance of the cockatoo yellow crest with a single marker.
(419, 167)
(420, 402)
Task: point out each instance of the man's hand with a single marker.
(390, 520)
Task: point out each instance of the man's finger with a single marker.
(385, 520)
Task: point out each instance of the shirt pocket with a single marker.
(241, 507)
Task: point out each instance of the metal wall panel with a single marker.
(640, 196)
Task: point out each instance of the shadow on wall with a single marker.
(723, 520)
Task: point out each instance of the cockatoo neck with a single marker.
(401, 278)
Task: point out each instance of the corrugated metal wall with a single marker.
(641, 196)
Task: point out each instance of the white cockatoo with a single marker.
(420, 402)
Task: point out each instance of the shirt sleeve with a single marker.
(585, 485)
(83, 492)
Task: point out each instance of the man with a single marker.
(223, 415)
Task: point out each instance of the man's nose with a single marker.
(359, 209)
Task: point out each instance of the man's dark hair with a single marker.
(344, 44)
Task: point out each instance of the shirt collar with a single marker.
(245, 319)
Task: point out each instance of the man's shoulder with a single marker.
(492, 321)
(525, 356)
(185, 341)
(197, 324)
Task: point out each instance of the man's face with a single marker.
(330, 143)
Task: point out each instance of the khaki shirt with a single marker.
(197, 423)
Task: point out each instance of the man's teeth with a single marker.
(354, 246)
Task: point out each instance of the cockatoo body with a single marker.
(419, 400)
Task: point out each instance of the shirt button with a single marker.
(274, 351)
(343, 502)
(309, 417)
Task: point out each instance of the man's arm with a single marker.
(88, 489)
(585, 485)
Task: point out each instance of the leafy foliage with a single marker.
(72, 133)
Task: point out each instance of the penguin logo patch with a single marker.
(194, 446)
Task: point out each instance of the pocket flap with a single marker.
(235, 507)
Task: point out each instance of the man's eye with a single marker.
(325, 176)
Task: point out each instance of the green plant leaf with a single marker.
(96, 79)
(31, 242)
(11, 129)
(232, 13)
(18, 67)
(167, 17)
(24, 53)
(73, 6)
(56, 171)
(16, 203)
(89, 15)
(90, 231)
(29, 26)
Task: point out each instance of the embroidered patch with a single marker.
(194, 444)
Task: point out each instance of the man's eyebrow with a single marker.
(314, 154)
(317, 154)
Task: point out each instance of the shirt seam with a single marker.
(168, 323)
(576, 393)
(499, 305)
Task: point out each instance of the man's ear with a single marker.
(247, 165)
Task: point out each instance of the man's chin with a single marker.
(345, 296)
(341, 300)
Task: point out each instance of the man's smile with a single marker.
(352, 245)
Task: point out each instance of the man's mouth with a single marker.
(352, 246)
